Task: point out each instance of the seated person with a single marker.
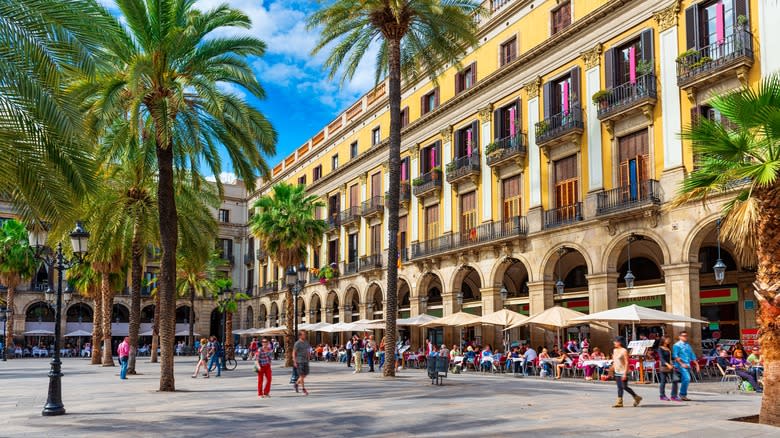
(588, 369)
(486, 361)
(546, 366)
(755, 358)
(529, 356)
(455, 352)
(511, 363)
(563, 361)
(740, 366)
(571, 346)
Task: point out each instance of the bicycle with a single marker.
(230, 359)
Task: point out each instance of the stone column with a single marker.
(446, 154)
(602, 295)
(682, 298)
(417, 307)
(485, 116)
(540, 298)
(413, 224)
(450, 306)
(534, 160)
(363, 223)
(491, 302)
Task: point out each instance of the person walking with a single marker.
(253, 346)
(301, 361)
(216, 355)
(620, 371)
(357, 353)
(263, 365)
(123, 351)
(684, 357)
(666, 372)
(203, 357)
(348, 349)
(370, 349)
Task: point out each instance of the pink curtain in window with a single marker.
(403, 171)
(720, 26)
(512, 121)
(433, 158)
(468, 142)
(566, 98)
(632, 64)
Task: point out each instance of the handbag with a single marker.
(256, 369)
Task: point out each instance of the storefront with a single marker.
(721, 308)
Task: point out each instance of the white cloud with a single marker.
(281, 74)
(225, 177)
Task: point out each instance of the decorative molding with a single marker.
(343, 188)
(415, 151)
(446, 136)
(385, 167)
(363, 177)
(592, 57)
(667, 18)
(486, 113)
(532, 88)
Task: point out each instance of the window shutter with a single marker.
(740, 8)
(457, 143)
(647, 45)
(423, 110)
(475, 135)
(692, 27)
(437, 145)
(435, 98)
(695, 114)
(458, 82)
(609, 69)
(497, 124)
(574, 95)
(473, 73)
(547, 96)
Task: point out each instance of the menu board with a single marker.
(638, 348)
(749, 337)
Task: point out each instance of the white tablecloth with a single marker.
(598, 363)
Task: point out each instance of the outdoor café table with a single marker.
(413, 358)
(516, 360)
(599, 364)
(553, 363)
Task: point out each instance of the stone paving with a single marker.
(342, 404)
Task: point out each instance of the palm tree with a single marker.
(227, 304)
(416, 38)
(740, 158)
(285, 225)
(86, 282)
(40, 125)
(170, 64)
(196, 278)
(17, 262)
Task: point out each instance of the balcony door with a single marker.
(432, 222)
(510, 192)
(468, 214)
(376, 185)
(352, 247)
(566, 187)
(402, 226)
(633, 152)
(354, 196)
(376, 239)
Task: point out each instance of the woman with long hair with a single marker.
(203, 357)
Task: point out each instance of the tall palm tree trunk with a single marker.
(108, 304)
(166, 203)
(135, 294)
(394, 150)
(289, 338)
(191, 338)
(8, 342)
(97, 328)
(228, 331)
(768, 277)
(155, 329)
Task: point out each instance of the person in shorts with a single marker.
(301, 360)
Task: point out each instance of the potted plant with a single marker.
(686, 58)
(436, 173)
(742, 22)
(644, 67)
(450, 166)
(541, 128)
(600, 98)
(418, 181)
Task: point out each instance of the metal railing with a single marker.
(558, 125)
(463, 166)
(563, 215)
(350, 267)
(427, 182)
(333, 221)
(625, 95)
(627, 197)
(370, 262)
(506, 148)
(248, 259)
(351, 214)
(495, 5)
(487, 232)
(260, 254)
(695, 63)
(375, 204)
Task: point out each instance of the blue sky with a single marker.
(300, 99)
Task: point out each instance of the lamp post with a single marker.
(5, 314)
(295, 279)
(504, 294)
(56, 260)
(720, 268)
(629, 278)
(560, 285)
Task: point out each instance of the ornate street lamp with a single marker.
(629, 278)
(720, 268)
(504, 293)
(295, 279)
(559, 285)
(79, 240)
(459, 298)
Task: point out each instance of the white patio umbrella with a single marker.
(339, 327)
(415, 321)
(634, 315)
(460, 318)
(146, 333)
(554, 318)
(503, 317)
(40, 332)
(319, 327)
(187, 333)
(77, 333)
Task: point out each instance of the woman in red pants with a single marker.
(263, 365)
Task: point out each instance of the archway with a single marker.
(249, 317)
(262, 316)
(571, 269)
(432, 303)
(467, 287)
(217, 325)
(302, 317)
(183, 315)
(352, 301)
(375, 302)
(79, 313)
(512, 275)
(120, 314)
(315, 309)
(404, 309)
(39, 312)
(332, 308)
(147, 314)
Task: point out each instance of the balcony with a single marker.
(627, 98)
(350, 216)
(228, 260)
(463, 169)
(269, 288)
(628, 198)
(370, 263)
(350, 267)
(714, 62)
(405, 194)
(374, 207)
(560, 128)
(261, 255)
(487, 233)
(334, 223)
(428, 184)
(507, 150)
(561, 216)
(248, 259)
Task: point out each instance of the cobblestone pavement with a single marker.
(342, 404)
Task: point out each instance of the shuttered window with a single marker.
(376, 185)
(430, 101)
(430, 157)
(634, 156)
(566, 182)
(354, 196)
(432, 222)
(510, 191)
(402, 225)
(508, 51)
(376, 239)
(466, 78)
(468, 212)
(506, 120)
(561, 17)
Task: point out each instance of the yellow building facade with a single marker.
(549, 156)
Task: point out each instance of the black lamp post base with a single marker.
(54, 405)
(53, 410)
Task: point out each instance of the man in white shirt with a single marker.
(528, 357)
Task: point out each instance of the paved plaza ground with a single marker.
(342, 404)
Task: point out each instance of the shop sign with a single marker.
(749, 337)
